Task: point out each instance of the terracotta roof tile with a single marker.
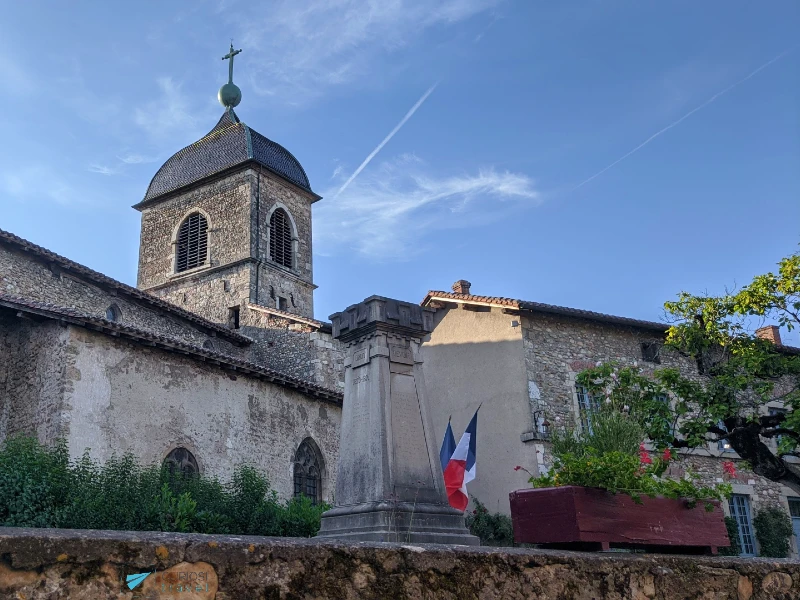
(543, 308)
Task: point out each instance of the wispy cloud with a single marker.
(102, 169)
(385, 141)
(683, 118)
(301, 48)
(387, 212)
(170, 116)
(136, 159)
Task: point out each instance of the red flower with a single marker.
(517, 468)
(667, 455)
(474, 512)
(644, 457)
(729, 468)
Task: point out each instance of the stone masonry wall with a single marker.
(210, 293)
(26, 276)
(273, 193)
(294, 348)
(123, 397)
(226, 204)
(57, 564)
(558, 348)
(32, 377)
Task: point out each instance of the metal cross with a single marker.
(230, 56)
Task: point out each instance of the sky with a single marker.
(598, 155)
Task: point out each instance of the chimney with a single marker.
(461, 286)
(771, 333)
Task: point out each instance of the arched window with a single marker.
(280, 238)
(181, 461)
(308, 472)
(113, 313)
(192, 243)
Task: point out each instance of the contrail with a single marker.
(686, 116)
(386, 139)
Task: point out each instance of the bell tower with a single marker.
(226, 222)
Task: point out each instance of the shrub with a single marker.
(40, 487)
(773, 532)
(733, 534)
(492, 529)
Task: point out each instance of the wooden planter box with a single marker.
(594, 519)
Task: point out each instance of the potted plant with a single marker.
(606, 489)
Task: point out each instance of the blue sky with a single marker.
(505, 175)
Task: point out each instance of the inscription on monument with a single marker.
(360, 378)
(401, 354)
(411, 461)
(360, 357)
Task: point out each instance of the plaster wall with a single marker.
(127, 398)
(476, 358)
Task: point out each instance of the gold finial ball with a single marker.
(229, 95)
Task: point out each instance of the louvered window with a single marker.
(192, 243)
(280, 238)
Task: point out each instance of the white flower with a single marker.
(597, 364)
(608, 400)
(626, 408)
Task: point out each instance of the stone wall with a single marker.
(92, 565)
(226, 205)
(32, 377)
(239, 268)
(296, 348)
(296, 284)
(24, 275)
(557, 348)
(124, 397)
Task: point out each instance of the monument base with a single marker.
(397, 522)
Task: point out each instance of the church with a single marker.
(215, 358)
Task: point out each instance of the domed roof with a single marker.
(228, 144)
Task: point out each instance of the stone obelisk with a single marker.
(389, 484)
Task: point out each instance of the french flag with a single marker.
(460, 468)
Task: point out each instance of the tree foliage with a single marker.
(738, 374)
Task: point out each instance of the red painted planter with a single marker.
(592, 518)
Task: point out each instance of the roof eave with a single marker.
(249, 163)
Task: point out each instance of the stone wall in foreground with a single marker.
(55, 564)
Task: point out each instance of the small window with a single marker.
(724, 445)
(308, 473)
(280, 238)
(282, 304)
(192, 243)
(651, 352)
(233, 317)
(181, 462)
(113, 313)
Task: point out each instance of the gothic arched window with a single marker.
(280, 238)
(192, 243)
(181, 461)
(308, 472)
